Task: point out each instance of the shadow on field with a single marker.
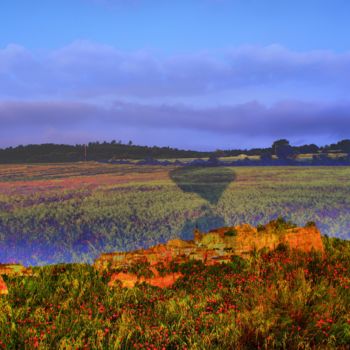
(209, 183)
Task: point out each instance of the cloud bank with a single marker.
(243, 124)
(93, 70)
(246, 93)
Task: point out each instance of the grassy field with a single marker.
(271, 300)
(73, 212)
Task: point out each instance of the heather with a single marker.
(279, 299)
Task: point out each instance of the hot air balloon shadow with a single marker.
(209, 183)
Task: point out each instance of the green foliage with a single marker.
(237, 264)
(281, 224)
(141, 268)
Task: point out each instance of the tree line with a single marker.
(104, 151)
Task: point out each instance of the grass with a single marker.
(73, 212)
(272, 300)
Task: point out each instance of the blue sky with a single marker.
(200, 74)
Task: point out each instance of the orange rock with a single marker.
(179, 244)
(305, 239)
(164, 281)
(212, 248)
(15, 270)
(129, 280)
(3, 287)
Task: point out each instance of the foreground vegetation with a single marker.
(279, 299)
(74, 212)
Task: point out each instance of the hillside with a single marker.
(272, 298)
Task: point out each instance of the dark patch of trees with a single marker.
(282, 149)
(107, 151)
(46, 153)
(341, 147)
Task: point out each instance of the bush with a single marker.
(260, 228)
(231, 232)
(310, 224)
(237, 264)
(281, 224)
(282, 248)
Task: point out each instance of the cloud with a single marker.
(246, 95)
(249, 121)
(90, 70)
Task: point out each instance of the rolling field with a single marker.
(73, 212)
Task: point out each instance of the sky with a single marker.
(194, 74)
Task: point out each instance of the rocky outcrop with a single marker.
(211, 248)
(3, 287)
(305, 239)
(129, 279)
(12, 270)
(15, 270)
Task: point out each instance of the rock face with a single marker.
(211, 248)
(305, 239)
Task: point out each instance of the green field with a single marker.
(73, 212)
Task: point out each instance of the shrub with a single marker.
(231, 232)
(237, 264)
(260, 228)
(310, 224)
(281, 224)
(282, 248)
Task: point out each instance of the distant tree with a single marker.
(344, 146)
(282, 149)
(130, 143)
(265, 156)
(213, 159)
(219, 153)
(312, 148)
(279, 143)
